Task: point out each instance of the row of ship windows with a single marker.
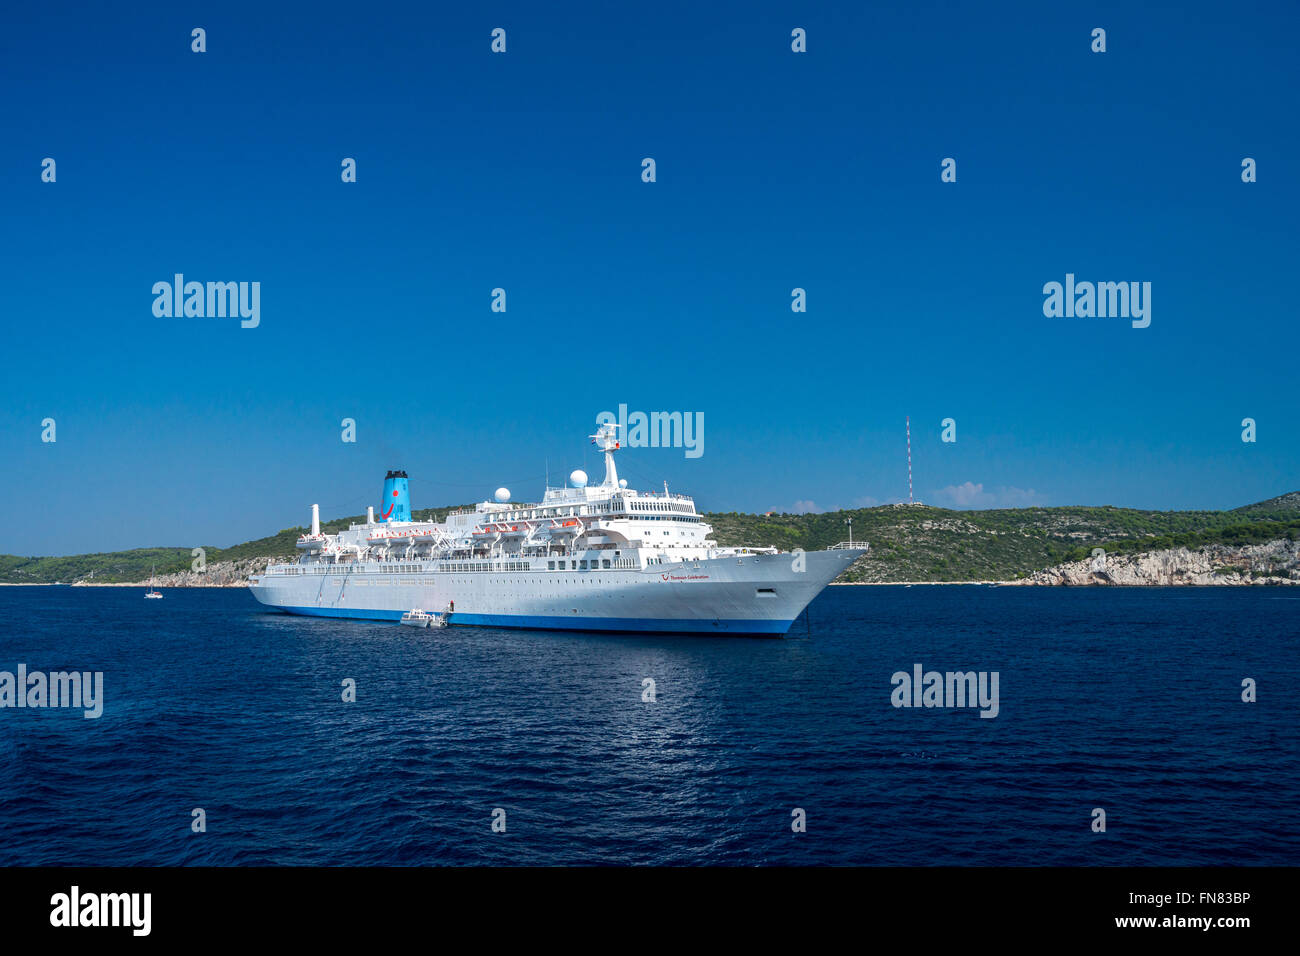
(460, 567)
(602, 509)
(593, 564)
(484, 566)
(656, 506)
(529, 515)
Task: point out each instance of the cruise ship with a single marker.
(587, 557)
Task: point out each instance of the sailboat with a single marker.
(152, 593)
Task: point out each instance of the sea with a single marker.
(232, 735)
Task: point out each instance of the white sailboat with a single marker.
(152, 592)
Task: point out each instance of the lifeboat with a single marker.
(500, 528)
(387, 537)
(570, 526)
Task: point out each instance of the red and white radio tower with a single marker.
(909, 460)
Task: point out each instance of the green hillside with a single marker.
(921, 543)
(1282, 504)
(135, 565)
(908, 542)
(117, 566)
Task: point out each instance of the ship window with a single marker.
(604, 562)
(582, 566)
(550, 565)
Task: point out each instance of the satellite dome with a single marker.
(502, 494)
(578, 479)
(622, 482)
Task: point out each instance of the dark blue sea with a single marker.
(1127, 700)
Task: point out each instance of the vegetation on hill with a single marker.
(908, 542)
(122, 566)
(116, 566)
(922, 543)
(1282, 504)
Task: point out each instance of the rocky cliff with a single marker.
(219, 574)
(1273, 562)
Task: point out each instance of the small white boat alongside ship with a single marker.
(419, 618)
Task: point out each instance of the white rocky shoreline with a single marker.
(1270, 563)
(1217, 565)
(219, 574)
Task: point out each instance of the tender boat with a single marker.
(419, 618)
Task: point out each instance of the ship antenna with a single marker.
(909, 460)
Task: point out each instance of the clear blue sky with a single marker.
(523, 171)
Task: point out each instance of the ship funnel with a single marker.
(396, 505)
(315, 519)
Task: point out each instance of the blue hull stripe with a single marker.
(574, 623)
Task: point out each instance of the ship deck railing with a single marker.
(849, 546)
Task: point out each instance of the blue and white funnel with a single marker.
(396, 503)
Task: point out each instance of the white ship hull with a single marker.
(747, 594)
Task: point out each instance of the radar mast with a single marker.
(606, 439)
